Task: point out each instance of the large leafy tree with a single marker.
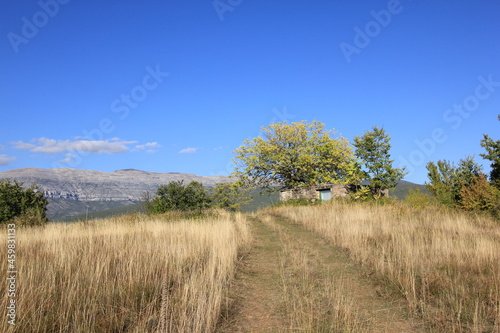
(28, 205)
(493, 154)
(294, 155)
(372, 149)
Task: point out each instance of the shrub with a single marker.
(177, 196)
(230, 196)
(480, 196)
(24, 206)
(363, 193)
(416, 199)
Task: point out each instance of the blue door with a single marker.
(325, 195)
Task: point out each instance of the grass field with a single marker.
(129, 274)
(333, 266)
(445, 264)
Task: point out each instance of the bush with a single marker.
(230, 196)
(417, 199)
(24, 206)
(363, 193)
(177, 196)
(479, 195)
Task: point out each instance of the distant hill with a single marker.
(73, 192)
(401, 190)
(106, 213)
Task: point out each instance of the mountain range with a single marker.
(72, 191)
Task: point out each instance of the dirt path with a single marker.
(294, 281)
(256, 293)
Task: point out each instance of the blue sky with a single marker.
(176, 86)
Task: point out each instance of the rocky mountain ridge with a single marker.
(89, 185)
(74, 192)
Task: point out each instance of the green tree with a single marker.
(493, 154)
(294, 155)
(27, 206)
(230, 196)
(372, 149)
(458, 186)
(177, 196)
(442, 177)
(467, 171)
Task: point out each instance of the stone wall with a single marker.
(312, 193)
(298, 193)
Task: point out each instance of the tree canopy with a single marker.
(493, 154)
(27, 205)
(372, 149)
(294, 155)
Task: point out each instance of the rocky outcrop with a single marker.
(88, 185)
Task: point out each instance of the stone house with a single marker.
(321, 192)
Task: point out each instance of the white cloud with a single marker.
(151, 147)
(51, 146)
(220, 148)
(188, 150)
(4, 159)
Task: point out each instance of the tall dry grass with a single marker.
(129, 274)
(446, 264)
(314, 299)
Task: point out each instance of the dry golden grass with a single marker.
(128, 274)
(446, 264)
(315, 301)
(313, 298)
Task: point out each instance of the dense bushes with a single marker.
(175, 196)
(464, 186)
(24, 206)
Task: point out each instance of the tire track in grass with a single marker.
(292, 280)
(256, 294)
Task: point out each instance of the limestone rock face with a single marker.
(88, 185)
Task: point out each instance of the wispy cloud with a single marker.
(51, 146)
(188, 150)
(5, 159)
(220, 148)
(150, 147)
